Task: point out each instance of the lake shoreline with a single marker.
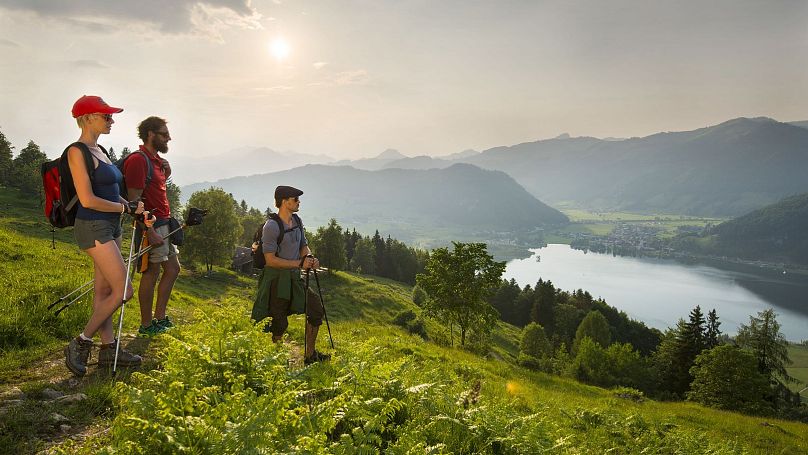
(659, 291)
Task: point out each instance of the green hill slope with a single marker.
(775, 233)
(463, 199)
(217, 384)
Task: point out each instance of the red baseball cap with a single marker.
(89, 104)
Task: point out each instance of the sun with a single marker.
(280, 49)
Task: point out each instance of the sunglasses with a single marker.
(106, 117)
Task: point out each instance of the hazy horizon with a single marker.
(352, 79)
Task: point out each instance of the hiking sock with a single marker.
(83, 337)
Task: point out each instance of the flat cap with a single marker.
(283, 192)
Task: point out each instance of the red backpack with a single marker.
(61, 200)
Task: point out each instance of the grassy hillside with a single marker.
(218, 385)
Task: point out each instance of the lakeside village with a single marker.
(643, 240)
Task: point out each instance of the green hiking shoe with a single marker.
(106, 356)
(165, 323)
(152, 330)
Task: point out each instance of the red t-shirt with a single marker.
(155, 198)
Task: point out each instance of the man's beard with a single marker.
(161, 147)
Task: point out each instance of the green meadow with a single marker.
(217, 384)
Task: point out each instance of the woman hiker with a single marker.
(98, 233)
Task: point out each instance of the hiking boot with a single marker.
(77, 353)
(165, 323)
(153, 329)
(317, 356)
(106, 356)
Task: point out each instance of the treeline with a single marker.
(24, 170)
(560, 313)
(230, 223)
(692, 361)
(340, 249)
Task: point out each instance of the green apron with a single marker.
(290, 287)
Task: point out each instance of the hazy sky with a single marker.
(424, 77)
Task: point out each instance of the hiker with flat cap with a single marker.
(281, 291)
(98, 233)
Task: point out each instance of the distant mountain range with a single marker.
(459, 198)
(775, 233)
(253, 160)
(722, 170)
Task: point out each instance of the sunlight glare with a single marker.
(280, 49)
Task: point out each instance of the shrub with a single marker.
(727, 377)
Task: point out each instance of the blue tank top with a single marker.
(106, 185)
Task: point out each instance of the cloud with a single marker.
(88, 64)
(206, 17)
(8, 43)
(276, 88)
(356, 77)
(319, 65)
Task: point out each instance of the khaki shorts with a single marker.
(161, 253)
(88, 231)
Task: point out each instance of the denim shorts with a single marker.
(88, 231)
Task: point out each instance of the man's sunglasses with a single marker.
(106, 117)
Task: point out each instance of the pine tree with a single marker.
(331, 246)
(763, 337)
(713, 334)
(695, 333)
(543, 311)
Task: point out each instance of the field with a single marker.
(604, 223)
(799, 369)
(217, 384)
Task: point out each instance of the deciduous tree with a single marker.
(212, 242)
(26, 173)
(727, 377)
(595, 327)
(534, 346)
(458, 283)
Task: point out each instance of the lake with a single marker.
(660, 291)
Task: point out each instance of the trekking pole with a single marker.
(71, 293)
(76, 299)
(322, 302)
(137, 256)
(194, 218)
(123, 298)
(305, 316)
